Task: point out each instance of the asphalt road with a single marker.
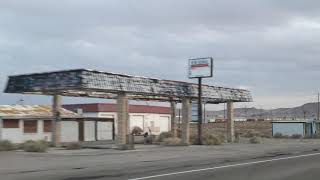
(276, 160)
(302, 167)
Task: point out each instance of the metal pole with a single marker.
(200, 111)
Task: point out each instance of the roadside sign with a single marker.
(200, 67)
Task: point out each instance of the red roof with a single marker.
(108, 107)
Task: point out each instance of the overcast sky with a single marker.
(270, 47)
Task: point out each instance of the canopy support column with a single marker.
(56, 122)
(230, 122)
(173, 118)
(186, 117)
(123, 118)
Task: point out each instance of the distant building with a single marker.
(19, 123)
(292, 127)
(154, 119)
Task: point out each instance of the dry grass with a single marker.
(279, 135)
(73, 146)
(255, 140)
(252, 133)
(6, 145)
(213, 140)
(164, 135)
(35, 146)
(296, 136)
(172, 142)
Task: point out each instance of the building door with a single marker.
(81, 130)
(164, 123)
(104, 130)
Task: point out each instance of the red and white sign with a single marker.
(200, 67)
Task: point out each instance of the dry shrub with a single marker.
(136, 131)
(279, 135)
(255, 140)
(35, 146)
(313, 136)
(165, 135)
(172, 142)
(6, 145)
(296, 136)
(73, 146)
(150, 139)
(213, 140)
(193, 139)
(252, 133)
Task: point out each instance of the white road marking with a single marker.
(226, 166)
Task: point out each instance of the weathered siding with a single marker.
(288, 128)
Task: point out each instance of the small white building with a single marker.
(19, 123)
(292, 127)
(154, 119)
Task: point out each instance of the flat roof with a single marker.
(98, 84)
(294, 121)
(32, 111)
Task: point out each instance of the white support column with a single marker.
(173, 118)
(230, 122)
(56, 121)
(123, 118)
(186, 118)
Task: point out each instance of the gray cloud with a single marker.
(269, 46)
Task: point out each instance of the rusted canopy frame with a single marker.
(97, 84)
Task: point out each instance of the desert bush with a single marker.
(150, 139)
(296, 136)
(179, 133)
(6, 145)
(164, 135)
(255, 140)
(313, 136)
(252, 133)
(136, 131)
(35, 146)
(193, 139)
(172, 141)
(73, 146)
(213, 140)
(278, 135)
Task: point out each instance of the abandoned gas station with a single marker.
(97, 84)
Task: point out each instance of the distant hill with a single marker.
(308, 110)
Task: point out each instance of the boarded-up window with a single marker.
(30, 126)
(10, 123)
(46, 126)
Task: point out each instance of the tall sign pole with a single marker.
(200, 68)
(200, 111)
